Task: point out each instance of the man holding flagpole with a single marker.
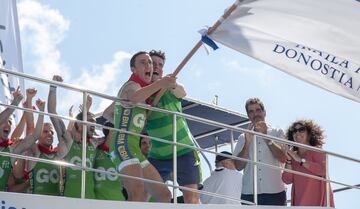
(124, 148)
(160, 125)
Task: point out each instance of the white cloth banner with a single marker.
(10, 50)
(317, 41)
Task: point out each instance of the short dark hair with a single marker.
(80, 116)
(220, 158)
(105, 130)
(252, 101)
(158, 53)
(133, 58)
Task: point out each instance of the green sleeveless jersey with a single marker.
(107, 187)
(160, 125)
(44, 178)
(5, 170)
(126, 146)
(72, 178)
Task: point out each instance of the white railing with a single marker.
(258, 136)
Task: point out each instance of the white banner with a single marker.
(30, 201)
(317, 41)
(10, 50)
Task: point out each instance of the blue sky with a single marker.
(89, 43)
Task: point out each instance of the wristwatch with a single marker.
(303, 160)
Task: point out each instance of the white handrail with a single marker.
(174, 143)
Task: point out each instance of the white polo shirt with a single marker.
(225, 182)
(268, 180)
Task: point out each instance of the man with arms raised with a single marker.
(5, 143)
(44, 177)
(70, 148)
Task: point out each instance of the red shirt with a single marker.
(307, 191)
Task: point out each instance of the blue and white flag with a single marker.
(317, 41)
(10, 50)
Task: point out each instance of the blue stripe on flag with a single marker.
(206, 40)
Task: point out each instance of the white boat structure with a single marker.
(213, 129)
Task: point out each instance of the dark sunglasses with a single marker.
(300, 130)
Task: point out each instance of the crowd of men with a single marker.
(131, 154)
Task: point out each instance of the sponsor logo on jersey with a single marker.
(139, 120)
(46, 176)
(105, 176)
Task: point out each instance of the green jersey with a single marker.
(72, 178)
(5, 170)
(160, 125)
(125, 146)
(44, 178)
(107, 187)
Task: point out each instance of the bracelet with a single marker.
(52, 88)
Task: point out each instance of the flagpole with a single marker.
(210, 31)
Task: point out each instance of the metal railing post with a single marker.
(327, 183)
(255, 169)
(232, 141)
(83, 157)
(216, 139)
(174, 159)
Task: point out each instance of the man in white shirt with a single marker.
(270, 188)
(225, 180)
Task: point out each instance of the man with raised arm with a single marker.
(19, 180)
(270, 189)
(70, 148)
(160, 125)
(44, 177)
(5, 143)
(125, 147)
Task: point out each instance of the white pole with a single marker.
(255, 169)
(327, 183)
(174, 159)
(83, 158)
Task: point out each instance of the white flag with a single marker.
(10, 50)
(317, 41)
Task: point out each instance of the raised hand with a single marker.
(168, 82)
(30, 93)
(88, 103)
(261, 127)
(57, 78)
(249, 136)
(17, 95)
(70, 111)
(294, 155)
(40, 104)
(286, 150)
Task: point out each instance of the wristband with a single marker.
(52, 88)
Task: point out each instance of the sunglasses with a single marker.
(300, 130)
